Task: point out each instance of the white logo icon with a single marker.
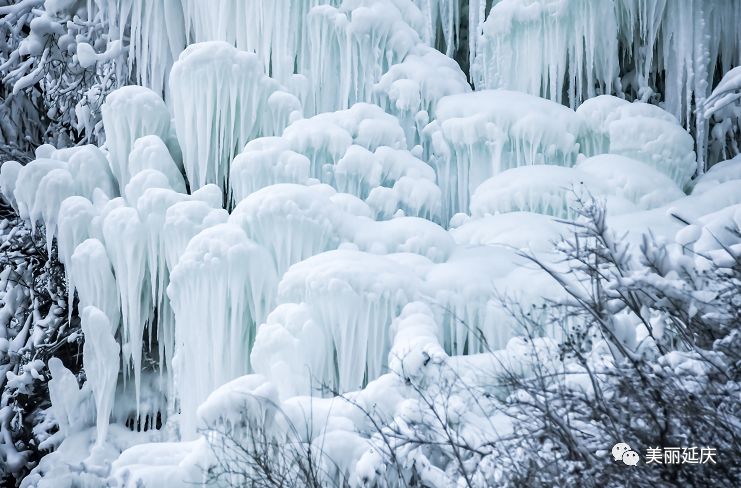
(622, 452)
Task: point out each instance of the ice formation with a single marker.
(643, 132)
(91, 275)
(549, 48)
(226, 282)
(480, 134)
(129, 113)
(358, 151)
(125, 240)
(100, 359)
(156, 36)
(411, 89)
(372, 288)
(216, 116)
(301, 234)
(354, 45)
(274, 30)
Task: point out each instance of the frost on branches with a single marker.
(368, 242)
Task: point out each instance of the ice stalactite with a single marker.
(91, 171)
(219, 97)
(263, 162)
(156, 35)
(225, 282)
(275, 30)
(53, 189)
(91, 274)
(639, 28)
(370, 291)
(75, 219)
(477, 135)
(100, 360)
(183, 221)
(150, 152)
(685, 41)
(354, 45)
(411, 89)
(293, 222)
(9, 172)
(290, 348)
(126, 243)
(561, 50)
(25, 191)
(441, 16)
(129, 113)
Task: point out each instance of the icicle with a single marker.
(91, 274)
(411, 89)
(441, 15)
(220, 102)
(293, 222)
(100, 360)
(126, 242)
(274, 30)
(550, 48)
(129, 113)
(225, 283)
(353, 296)
(156, 35)
(150, 152)
(477, 135)
(354, 45)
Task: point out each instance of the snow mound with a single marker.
(519, 230)
(633, 180)
(643, 132)
(720, 173)
(549, 190)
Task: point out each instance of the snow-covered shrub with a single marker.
(652, 361)
(34, 327)
(59, 55)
